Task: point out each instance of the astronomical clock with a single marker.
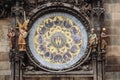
(58, 40)
(61, 39)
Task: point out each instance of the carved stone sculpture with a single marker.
(11, 35)
(93, 40)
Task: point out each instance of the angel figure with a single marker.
(22, 34)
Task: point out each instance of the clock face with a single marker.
(58, 40)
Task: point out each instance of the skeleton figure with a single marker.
(22, 35)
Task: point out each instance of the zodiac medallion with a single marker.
(57, 40)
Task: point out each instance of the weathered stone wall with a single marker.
(4, 49)
(112, 22)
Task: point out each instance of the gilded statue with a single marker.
(22, 34)
(103, 39)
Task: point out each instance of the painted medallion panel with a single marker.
(58, 40)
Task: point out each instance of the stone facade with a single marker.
(4, 49)
(112, 22)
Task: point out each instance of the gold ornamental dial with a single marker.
(58, 40)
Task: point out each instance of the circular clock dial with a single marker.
(58, 40)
